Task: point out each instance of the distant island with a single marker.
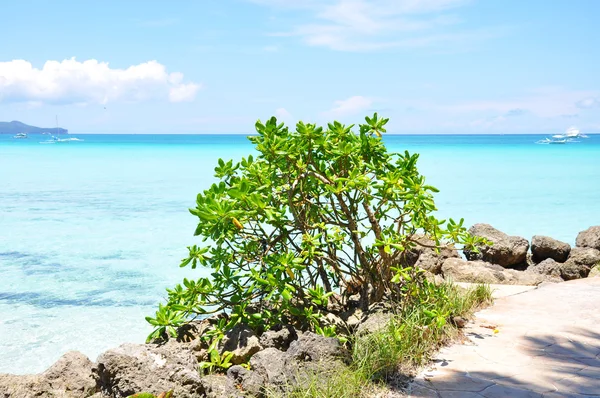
(16, 127)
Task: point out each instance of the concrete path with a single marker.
(539, 343)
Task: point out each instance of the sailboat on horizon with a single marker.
(56, 138)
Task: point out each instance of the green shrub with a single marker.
(318, 211)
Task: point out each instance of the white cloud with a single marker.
(71, 81)
(589, 102)
(350, 106)
(544, 102)
(364, 25)
(282, 113)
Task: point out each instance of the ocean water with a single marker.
(91, 232)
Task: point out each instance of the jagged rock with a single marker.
(307, 357)
(242, 342)
(26, 386)
(460, 270)
(585, 256)
(217, 386)
(567, 271)
(269, 365)
(424, 256)
(353, 317)
(248, 381)
(131, 368)
(314, 347)
(543, 247)
(507, 251)
(69, 377)
(589, 238)
(435, 279)
(374, 323)
(571, 270)
(279, 338)
(546, 267)
(73, 373)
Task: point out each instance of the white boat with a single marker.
(571, 135)
(55, 139)
(21, 135)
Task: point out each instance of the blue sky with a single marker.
(215, 66)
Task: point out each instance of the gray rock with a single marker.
(544, 247)
(589, 238)
(567, 271)
(248, 381)
(131, 368)
(353, 317)
(424, 256)
(571, 270)
(279, 339)
(306, 358)
(585, 256)
(547, 267)
(507, 251)
(270, 366)
(217, 386)
(70, 377)
(374, 322)
(459, 270)
(242, 342)
(72, 373)
(314, 347)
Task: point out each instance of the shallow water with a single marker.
(91, 232)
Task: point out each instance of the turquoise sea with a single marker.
(91, 232)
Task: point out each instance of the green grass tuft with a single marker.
(407, 343)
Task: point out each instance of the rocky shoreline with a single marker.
(286, 356)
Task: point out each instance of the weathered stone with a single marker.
(528, 278)
(595, 272)
(270, 365)
(247, 381)
(546, 267)
(26, 386)
(543, 247)
(217, 386)
(374, 323)
(589, 238)
(353, 317)
(431, 259)
(459, 270)
(70, 377)
(585, 256)
(73, 373)
(132, 368)
(279, 338)
(314, 347)
(435, 279)
(507, 251)
(242, 342)
(571, 270)
(566, 271)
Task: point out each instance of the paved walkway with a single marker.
(546, 343)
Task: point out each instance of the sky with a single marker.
(216, 66)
